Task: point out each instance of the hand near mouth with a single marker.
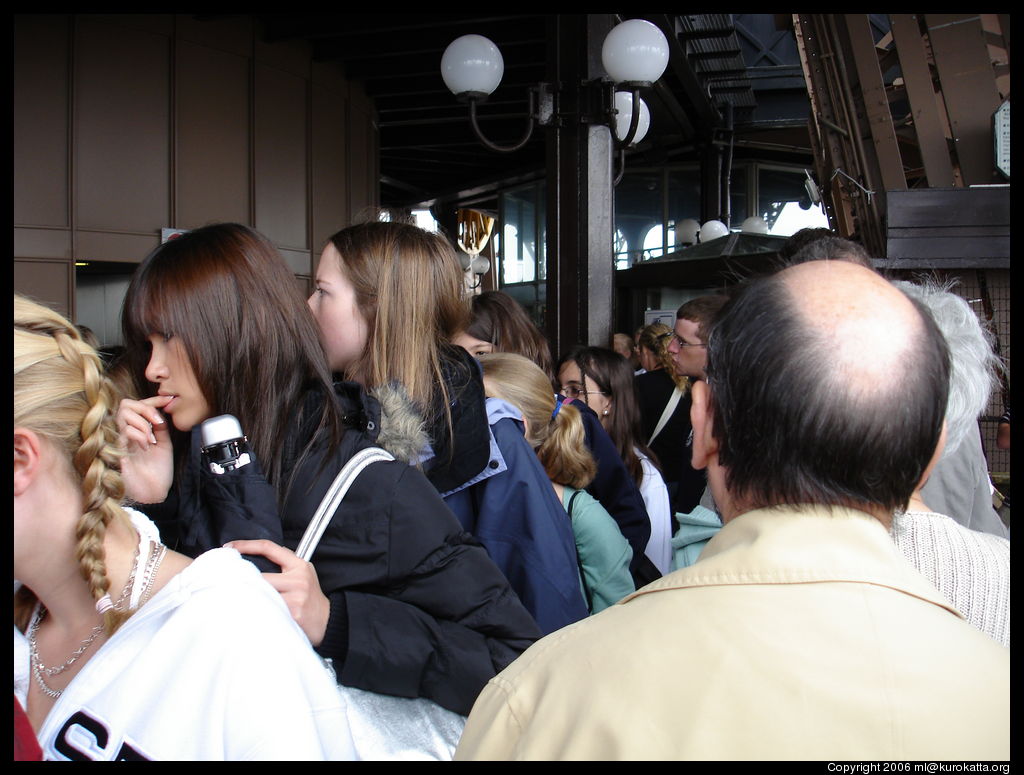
(148, 464)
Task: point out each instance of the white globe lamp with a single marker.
(754, 225)
(624, 106)
(686, 231)
(635, 52)
(472, 66)
(713, 230)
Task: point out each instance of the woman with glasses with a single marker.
(603, 380)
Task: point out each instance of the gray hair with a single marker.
(974, 361)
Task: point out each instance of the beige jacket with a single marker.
(799, 634)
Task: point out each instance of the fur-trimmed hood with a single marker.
(402, 430)
(450, 454)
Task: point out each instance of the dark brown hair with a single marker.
(702, 311)
(252, 342)
(614, 376)
(502, 321)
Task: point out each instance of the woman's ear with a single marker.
(27, 455)
(705, 446)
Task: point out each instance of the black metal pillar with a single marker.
(580, 195)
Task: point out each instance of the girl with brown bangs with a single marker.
(396, 594)
(499, 324)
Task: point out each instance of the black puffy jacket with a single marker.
(418, 609)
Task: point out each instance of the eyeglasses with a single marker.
(674, 337)
(575, 391)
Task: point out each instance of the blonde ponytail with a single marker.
(558, 438)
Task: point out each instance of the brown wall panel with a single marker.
(305, 285)
(291, 56)
(301, 262)
(229, 33)
(213, 146)
(157, 118)
(49, 282)
(41, 129)
(329, 168)
(111, 246)
(281, 183)
(155, 23)
(122, 128)
(42, 243)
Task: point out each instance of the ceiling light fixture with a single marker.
(634, 54)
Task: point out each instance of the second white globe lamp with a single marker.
(713, 230)
(754, 225)
(624, 104)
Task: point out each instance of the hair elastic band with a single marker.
(104, 604)
(558, 405)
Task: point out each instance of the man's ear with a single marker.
(705, 446)
(27, 459)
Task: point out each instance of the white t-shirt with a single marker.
(655, 495)
(212, 668)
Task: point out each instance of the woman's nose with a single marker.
(155, 369)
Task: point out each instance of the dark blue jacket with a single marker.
(515, 513)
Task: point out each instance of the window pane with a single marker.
(783, 202)
(638, 208)
(738, 203)
(683, 201)
(519, 244)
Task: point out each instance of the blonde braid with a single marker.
(63, 393)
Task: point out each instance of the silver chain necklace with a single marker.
(39, 669)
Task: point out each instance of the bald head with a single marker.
(828, 386)
(866, 328)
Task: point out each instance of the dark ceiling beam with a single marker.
(695, 100)
(353, 25)
(373, 72)
(365, 46)
(398, 110)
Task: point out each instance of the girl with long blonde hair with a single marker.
(388, 300)
(102, 608)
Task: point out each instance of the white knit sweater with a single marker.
(971, 568)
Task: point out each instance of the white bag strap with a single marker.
(670, 408)
(334, 495)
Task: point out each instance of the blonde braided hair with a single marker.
(62, 394)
